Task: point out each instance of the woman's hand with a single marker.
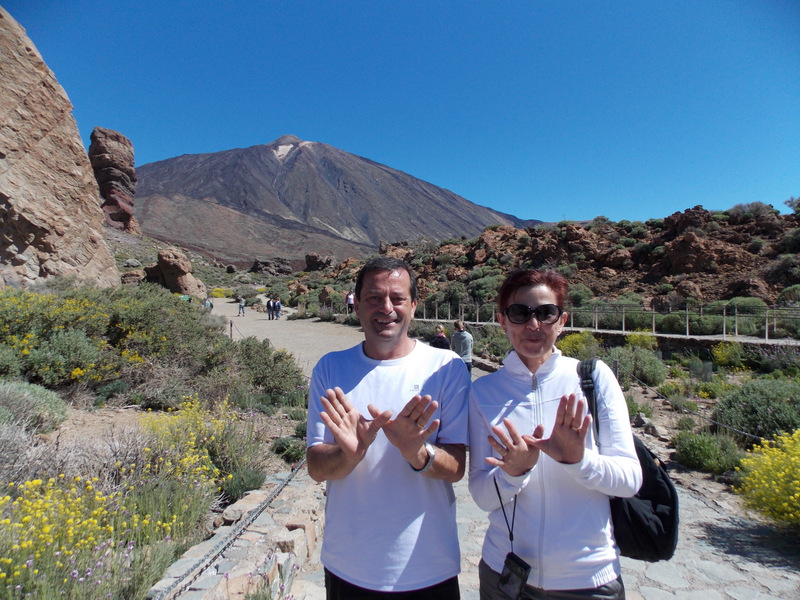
(567, 441)
(517, 457)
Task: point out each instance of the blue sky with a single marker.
(546, 110)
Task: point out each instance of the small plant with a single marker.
(37, 409)
(761, 407)
(642, 339)
(707, 452)
(290, 449)
(635, 408)
(582, 345)
(770, 481)
(686, 424)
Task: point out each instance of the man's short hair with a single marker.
(459, 325)
(386, 263)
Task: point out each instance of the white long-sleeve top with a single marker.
(563, 523)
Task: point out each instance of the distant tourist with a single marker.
(276, 307)
(440, 339)
(241, 301)
(270, 309)
(350, 301)
(461, 343)
(208, 304)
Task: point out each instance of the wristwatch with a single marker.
(431, 450)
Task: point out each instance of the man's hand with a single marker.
(409, 430)
(567, 441)
(352, 432)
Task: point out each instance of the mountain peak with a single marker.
(286, 139)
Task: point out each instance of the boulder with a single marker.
(111, 155)
(316, 262)
(174, 272)
(49, 205)
(272, 267)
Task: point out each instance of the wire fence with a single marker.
(615, 366)
(767, 323)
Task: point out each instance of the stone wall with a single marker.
(269, 551)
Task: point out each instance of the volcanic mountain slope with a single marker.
(292, 197)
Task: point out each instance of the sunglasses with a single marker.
(546, 314)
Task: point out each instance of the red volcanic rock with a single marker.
(174, 272)
(111, 155)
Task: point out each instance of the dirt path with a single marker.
(307, 339)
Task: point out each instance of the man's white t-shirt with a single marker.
(387, 527)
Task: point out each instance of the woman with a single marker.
(554, 489)
(440, 339)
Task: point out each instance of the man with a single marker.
(461, 343)
(387, 430)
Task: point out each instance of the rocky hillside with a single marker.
(51, 222)
(292, 197)
(695, 254)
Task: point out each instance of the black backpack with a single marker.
(646, 525)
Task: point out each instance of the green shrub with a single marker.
(65, 357)
(761, 407)
(686, 424)
(581, 345)
(770, 481)
(579, 294)
(707, 452)
(668, 389)
(290, 449)
(772, 359)
(638, 363)
(10, 364)
(728, 354)
(790, 296)
(38, 409)
(272, 372)
(642, 339)
(241, 481)
(635, 408)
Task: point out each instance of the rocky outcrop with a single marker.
(174, 272)
(51, 218)
(691, 256)
(111, 155)
(316, 262)
(273, 267)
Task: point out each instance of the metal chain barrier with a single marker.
(183, 582)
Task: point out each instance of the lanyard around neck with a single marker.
(513, 514)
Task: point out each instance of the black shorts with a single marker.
(337, 588)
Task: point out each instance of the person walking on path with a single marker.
(387, 432)
(461, 343)
(270, 309)
(350, 302)
(555, 489)
(241, 302)
(440, 339)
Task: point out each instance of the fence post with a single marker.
(615, 367)
(623, 318)
(766, 324)
(654, 320)
(687, 321)
(736, 321)
(231, 329)
(724, 321)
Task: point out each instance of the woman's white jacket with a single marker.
(562, 526)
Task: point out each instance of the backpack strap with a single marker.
(585, 373)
